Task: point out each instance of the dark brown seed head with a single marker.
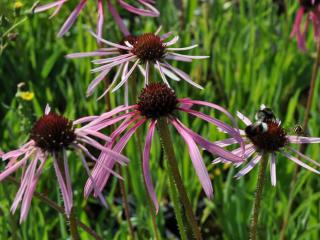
(157, 100)
(53, 132)
(149, 47)
(307, 4)
(269, 139)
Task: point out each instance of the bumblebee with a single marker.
(256, 129)
(265, 114)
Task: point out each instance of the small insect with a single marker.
(298, 130)
(256, 129)
(265, 114)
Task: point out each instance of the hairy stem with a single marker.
(59, 209)
(303, 147)
(176, 206)
(258, 197)
(172, 163)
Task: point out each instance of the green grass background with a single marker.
(252, 61)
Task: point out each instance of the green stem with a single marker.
(303, 147)
(125, 204)
(172, 162)
(176, 206)
(258, 197)
(73, 225)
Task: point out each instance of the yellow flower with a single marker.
(18, 5)
(27, 96)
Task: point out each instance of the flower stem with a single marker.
(314, 75)
(172, 163)
(125, 204)
(258, 197)
(73, 225)
(59, 209)
(176, 206)
(303, 147)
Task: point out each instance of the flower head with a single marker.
(53, 134)
(267, 136)
(310, 8)
(158, 101)
(143, 52)
(147, 10)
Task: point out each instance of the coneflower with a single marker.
(310, 8)
(268, 137)
(158, 102)
(52, 135)
(144, 52)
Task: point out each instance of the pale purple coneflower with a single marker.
(53, 134)
(147, 10)
(157, 101)
(267, 136)
(310, 8)
(144, 51)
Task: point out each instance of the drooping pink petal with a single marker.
(92, 54)
(273, 169)
(303, 140)
(146, 167)
(197, 160)
(24, 183)
(244, 119)
(73, 16)
(104, 175)
(25, 205)
(183, 75)
(305, 157)
(62, 183)
(100, 18)
(297, 161)
(230, 130)
(226, 142)
(249, 166)
(221, 109)
(102, 200)
(211, 147)
(12, 169)
(118, 19)
(127, 76)
(48, 6)
(150, 12)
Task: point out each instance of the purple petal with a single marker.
(64, 190)
(249, 166)
(146, 168)
(304, 156)
(197, 160)
(73, 16)
(244, 119)
(273, 169)
(211, 147)
(297, 161)
(48, 6)
(303, 140)
(118, 19)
